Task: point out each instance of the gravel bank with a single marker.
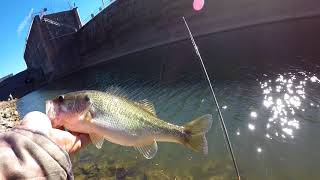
(9, 116)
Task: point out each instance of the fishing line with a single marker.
(223, 126)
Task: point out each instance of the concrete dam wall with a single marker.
(140, 33)
(238, 31)
(135, 25)
(150, 37)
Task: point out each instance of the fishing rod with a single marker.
(223, 126)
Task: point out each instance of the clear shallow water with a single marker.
(272, 118)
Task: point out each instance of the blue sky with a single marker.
(15, 23)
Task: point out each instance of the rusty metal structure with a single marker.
(48, 38)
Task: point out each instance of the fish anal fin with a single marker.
(96, 140)
(148, 151)
(147, 105)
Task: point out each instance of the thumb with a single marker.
(37, 121)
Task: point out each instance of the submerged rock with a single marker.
(158, 175)
(89, 170)
(111, 171)
(87, 167)
(210, 167)
(183, 177)
(121, 173)
(102, 166)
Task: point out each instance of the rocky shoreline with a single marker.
(9, 116)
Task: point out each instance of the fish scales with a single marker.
(105, 115)
(122, 112)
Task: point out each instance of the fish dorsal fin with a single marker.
(148, 151)
(146, 105)
(96, 140)
(116, 91)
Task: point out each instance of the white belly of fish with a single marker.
(120, 136)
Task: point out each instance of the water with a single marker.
(272, 118)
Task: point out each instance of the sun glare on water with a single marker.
(283, 98)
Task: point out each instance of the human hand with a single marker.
(71, 142)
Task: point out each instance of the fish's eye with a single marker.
(61, 98)
(87, 98)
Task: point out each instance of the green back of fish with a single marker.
(121, 112)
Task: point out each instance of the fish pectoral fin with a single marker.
(147, 105)
(96, 140)
(148, 151)
(87, 116)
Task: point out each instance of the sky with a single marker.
(15, 18)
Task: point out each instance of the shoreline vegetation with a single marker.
(9, 116)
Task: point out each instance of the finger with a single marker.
(68, 141)
(85, 139)
(58, 127)
(37, 121)
(62, 138)
(80, 142)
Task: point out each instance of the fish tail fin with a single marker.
(195, 131)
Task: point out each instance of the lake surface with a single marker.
(272, 116)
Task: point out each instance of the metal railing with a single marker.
(97, 11)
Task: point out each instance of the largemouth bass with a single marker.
(108, 116)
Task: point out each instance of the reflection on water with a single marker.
(273, 121)
(284, 98)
